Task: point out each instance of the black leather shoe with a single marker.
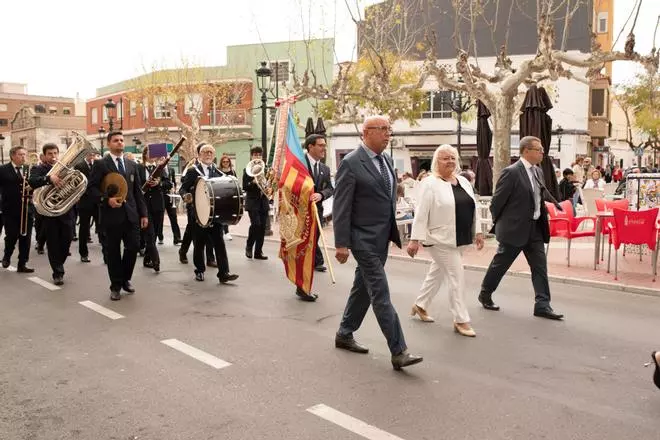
(225, 278)
(405, 359)
(309, 297)
(248, 253)
(182, 258)
(199, 276)
(89, 240)
(548, 314)
(177, 242)
(147, 264)
(487, 302)
(5, 263)
(58, 280)
(24, 269)
(320, 268)
(157, 268)
(212, 264)
(74, 239)
(114, 294)
(656, 374)
(128, 287)
(161, 241)
(141, 252)
(85, 260)
(350, 344)
(260, 257)
(40, 250)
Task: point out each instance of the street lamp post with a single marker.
(559, 131)
(263, 83)
(459, 106)
(101, 133)
(110, 107)
(137, 142)
(2, 149)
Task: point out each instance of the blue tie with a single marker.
(384, 174)
(120, 166)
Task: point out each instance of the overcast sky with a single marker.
(68, 46)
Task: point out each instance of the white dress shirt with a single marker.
(374, 159)
(535, 187)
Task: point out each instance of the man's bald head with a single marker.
(376, 131)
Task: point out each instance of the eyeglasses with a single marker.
(386, 128)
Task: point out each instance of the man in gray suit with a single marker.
(363, 216)
(521, 225)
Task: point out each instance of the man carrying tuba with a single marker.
(257, 206)
(58, 230)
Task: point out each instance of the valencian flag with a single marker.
(297, 216)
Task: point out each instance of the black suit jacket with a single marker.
(512, 207)
(254, 198)
(134, 207)
(86, 202)
(154, 197)
(363, 212)
(39, 178)
(11, 187)
(322, 183)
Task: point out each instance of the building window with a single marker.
(598, 102)
(119, 111)
(602, 23)
(105, 114)
(3, 108)
(272, 113)
(66, 111)
(52, 110)
(192, 101)
(95, 116)
(438, 104)
(161, 107)
(280, 71)
(145, 109)
(40, 108)
(4, 122)
(132, 108)
(234, 97)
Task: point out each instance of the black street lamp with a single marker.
(2, 149)
(263, 84)
(101, 134)
(458, 106)
(110, 107)
(559, 131)
(137, 142)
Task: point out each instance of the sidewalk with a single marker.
(634, 276)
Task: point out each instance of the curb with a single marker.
(524, 274)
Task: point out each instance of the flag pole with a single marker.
(325, 246)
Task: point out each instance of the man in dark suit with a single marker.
(256, 204)
(120, 220)
(520, 222)
(57, 230)
(364, 222)
(316, 145)
(155, 202)
(87, 209)
(170, 208)
(206, 169)
(11, 186)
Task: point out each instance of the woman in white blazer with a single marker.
(445, 220)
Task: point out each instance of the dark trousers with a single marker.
(205, 237)
(148, 235)
(39, 230)
(188, 239)
(174, 223)
(534, 252)
(1, 223)
(257, 231)
(84, 229)
(58, 240)
(12, 236)
(158, 219)
(370, 287)
(75, 220)
(120, 267)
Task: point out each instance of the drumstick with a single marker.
(325, 247)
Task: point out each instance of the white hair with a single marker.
(444, 148)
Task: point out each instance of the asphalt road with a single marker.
(68, 372)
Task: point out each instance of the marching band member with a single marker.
(206, 169)
(13, 203)
(170, 208)
(256, 204)
(40, 237)
(121, 221)
(153, 198)
(87, 209)
(227, 168)
(58, 230)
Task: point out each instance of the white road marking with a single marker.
(42, 283)
(100, 309)
(196, 353)
(351, 423)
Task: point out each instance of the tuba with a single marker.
(51, 201)
(256, 169)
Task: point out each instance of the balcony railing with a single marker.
(231, 117)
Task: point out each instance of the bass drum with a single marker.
(217, 200)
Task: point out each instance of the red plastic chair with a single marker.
(603, 205)
(635, 227)
(564, 224)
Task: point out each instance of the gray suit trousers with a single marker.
(370, 287)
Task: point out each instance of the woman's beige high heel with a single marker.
(465, 330)
(416, 310)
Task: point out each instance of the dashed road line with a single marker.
(352, 424)
(43, 283)
(100, 309)
(196, 353)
